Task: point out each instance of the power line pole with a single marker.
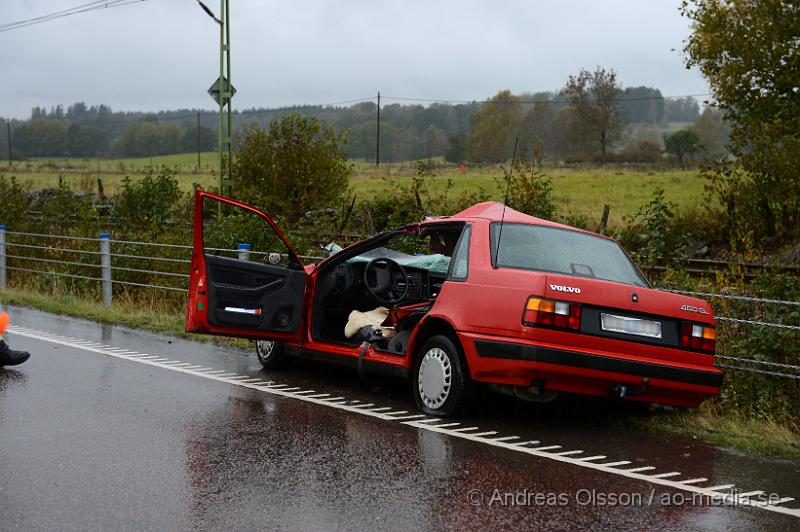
(225, 140)
(197, 169)
(222, 91)
(378, 134)
(8, 130)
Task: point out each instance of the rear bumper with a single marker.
(495, 349)
(501, 361)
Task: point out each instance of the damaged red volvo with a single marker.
(489, 295)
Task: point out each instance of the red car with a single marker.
(489, 295)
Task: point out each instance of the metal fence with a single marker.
(161, 266)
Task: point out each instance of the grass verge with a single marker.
(754, 436)
(763, 437)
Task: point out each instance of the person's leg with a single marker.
(11, 357)
(8, 356)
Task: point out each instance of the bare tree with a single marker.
(595, 98)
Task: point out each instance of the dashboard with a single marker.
(348, 279)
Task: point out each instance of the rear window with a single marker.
(550, 249)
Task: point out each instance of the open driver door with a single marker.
(245, 279)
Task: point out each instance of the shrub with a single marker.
(409, 204)
(146, 206)
(527, 190)
(297, 166)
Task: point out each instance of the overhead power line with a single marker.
(83, 8)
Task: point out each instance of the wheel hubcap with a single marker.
(264, 348)
(435, 377)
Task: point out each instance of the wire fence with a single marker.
(129, 264)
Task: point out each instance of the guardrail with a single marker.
(98, 260)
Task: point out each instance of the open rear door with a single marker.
(245, 279)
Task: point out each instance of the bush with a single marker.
(13, 203)
(527, 190)
(409, 204)
(297, 166)
(655, 232)
(647, 151)
(146, 206)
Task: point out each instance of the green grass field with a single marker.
(581, 191)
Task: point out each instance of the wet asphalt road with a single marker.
(93, 442)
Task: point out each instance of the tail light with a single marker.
(551, 313)
(698, 337)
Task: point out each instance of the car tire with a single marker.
(440, 380)
(272, 354)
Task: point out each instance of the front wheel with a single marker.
(441, 382)
(272, 354)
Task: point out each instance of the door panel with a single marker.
(245, 279)
(251, 295)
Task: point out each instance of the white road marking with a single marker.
(547, 448)
(461, 433)
(447, 425)
(667, 475)
(637, 469)
(694, 481)
(590, 458)
(570, 453)
(751, 493)
(505, 438)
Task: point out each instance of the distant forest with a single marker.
(407, 132)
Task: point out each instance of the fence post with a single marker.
(105, 263)
(3, 278)
(244, 251)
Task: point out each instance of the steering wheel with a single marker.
(386, 280)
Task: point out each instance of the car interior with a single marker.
(393, 284)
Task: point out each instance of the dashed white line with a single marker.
(667, 475)
(694, 481)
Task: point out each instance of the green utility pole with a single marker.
(226, 93)
(222, 91)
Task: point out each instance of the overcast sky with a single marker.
(164, 54)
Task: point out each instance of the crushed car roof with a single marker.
(496, 212)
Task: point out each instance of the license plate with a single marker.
(628, 325)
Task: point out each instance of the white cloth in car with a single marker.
(373, 318)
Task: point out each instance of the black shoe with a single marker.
(11, 357)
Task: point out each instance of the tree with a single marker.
(85, 141)
(457, 152)
(595, 98)
(434, 142)
(682, 143)
(714, 133)
(681, 109)
(536, 131)
(492, 138)
(41, 138)
(748, 51)
(643, 104)
(139, 140)
(207, 136)
(297, 166)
